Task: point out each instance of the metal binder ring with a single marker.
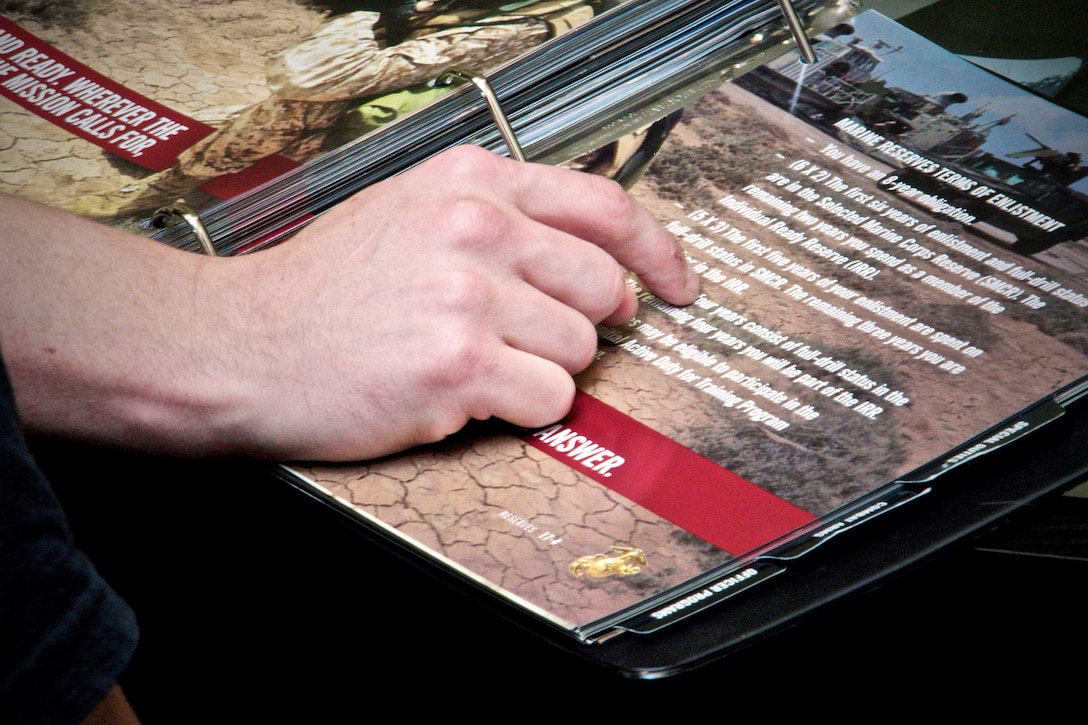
(804, 47)
(493, 105)
(163, 216)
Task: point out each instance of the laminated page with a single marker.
(894, 280)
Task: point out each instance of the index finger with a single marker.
(598, 210)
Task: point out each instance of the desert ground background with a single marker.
(202, 58)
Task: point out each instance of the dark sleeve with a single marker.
(65, 635)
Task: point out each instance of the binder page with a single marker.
(114, 111)
(615, 62)
(893, 267)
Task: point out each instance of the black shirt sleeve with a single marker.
(65, 635)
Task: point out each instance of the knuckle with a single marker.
(472, 223)
(668, 254)
(461, 357)
(557, 404)
(616, 206)
(467, 163)
(454, 365)
(583, 347)
(443, 423)
(610, 289)
(462, 293)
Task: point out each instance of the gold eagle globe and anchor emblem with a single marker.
(620, 561)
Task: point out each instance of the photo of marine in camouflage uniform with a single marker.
(347, 79)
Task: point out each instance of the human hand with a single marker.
(466, 288)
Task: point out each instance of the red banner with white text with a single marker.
(94, 107)
(667, 478)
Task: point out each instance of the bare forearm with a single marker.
(105, 333)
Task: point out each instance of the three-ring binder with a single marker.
(804, 47)
(170, 214)
(493, 105)
(506, 130)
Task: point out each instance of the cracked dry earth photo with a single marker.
(460, 500)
